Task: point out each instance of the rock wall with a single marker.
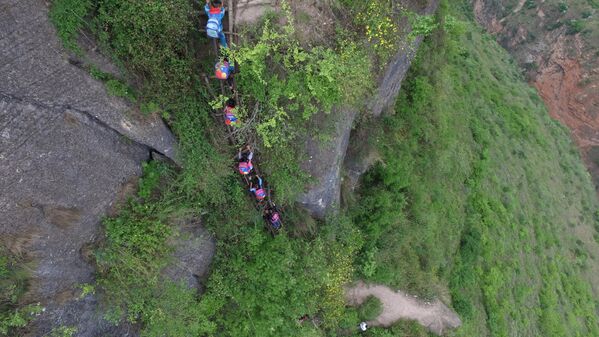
(326, 160)
(67, 149)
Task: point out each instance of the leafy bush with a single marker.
(68, 16)
(293, 84)
(562, 7)
(13, 284)
(574, 26)
(370, 309)
(149, 37)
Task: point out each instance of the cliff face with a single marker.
(557, 43)
(326, 160)
(67, 149)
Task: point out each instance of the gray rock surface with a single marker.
(59, 173)
(35, 66)
(194, 250)
(249, 11)
(324, 164)
(67, 149)
(327, 159)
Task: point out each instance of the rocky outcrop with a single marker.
(324, 164)
(67, 149)
(325, 160)
(194, 249)
(36, 68)
(559, 61)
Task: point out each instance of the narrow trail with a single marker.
(435, 316)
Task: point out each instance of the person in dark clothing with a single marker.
(272, 215)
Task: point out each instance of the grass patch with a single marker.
(472, 164)
(68, 16)
(13, 284)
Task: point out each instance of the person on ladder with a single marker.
(257, 188)
(244, 159)
(223, 70)
(214, 28)
(230, 118)
(272, 215)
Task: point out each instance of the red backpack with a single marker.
(245, 167)
(260, 194)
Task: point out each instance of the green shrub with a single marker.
(149, 37)
(13, 284)
(574, 26)
(63, 331)
(68, 16)
(370, 309)
(119, 89)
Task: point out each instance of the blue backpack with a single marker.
(213, 27)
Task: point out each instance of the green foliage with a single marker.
(562, 7)
(13, 283)
(293, 84)
(12, 320)
(261, 286)
(154, 171)
(370, 309)
(574, 26)
(380, 26)
(68, 16)
(294, 88)
(149, 107)
(149, 37)
(423, 25)
(63, 331)
(98, 74)
(135, 251)
(86, 289)
(487, 187)
(401, 328)
(119, 89)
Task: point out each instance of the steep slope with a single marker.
(478, 190)
(557, 42)
(325, 159)
(67, 149)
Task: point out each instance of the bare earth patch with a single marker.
(435, 316)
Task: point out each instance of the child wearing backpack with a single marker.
(244, 159)
(214, 28)
(230, 118)
(257, 188)
(224, 70)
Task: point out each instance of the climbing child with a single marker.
(223, 70)
(230, 118)
(272, 216)
(244, 158)
(214, 28)
(257, 188)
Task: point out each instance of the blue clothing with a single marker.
(223, 39)
(253, 189)
(219, 16)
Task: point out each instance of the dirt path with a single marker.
(435, 316)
